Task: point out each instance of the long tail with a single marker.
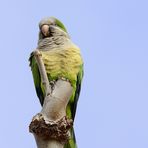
(72, 141)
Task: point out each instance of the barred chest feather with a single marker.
(62, 62)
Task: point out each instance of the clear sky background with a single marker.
(113, 36)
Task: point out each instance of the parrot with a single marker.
(62, 59)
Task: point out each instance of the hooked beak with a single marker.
(45, 30)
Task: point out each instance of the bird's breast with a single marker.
(63, 62)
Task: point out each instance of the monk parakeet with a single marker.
(62, 59)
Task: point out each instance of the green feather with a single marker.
(37, 79)
(60, 24)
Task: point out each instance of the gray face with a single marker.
(47, 21)
(51, 27)
(44, 26)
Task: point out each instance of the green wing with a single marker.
(72, 108)
(77, 92)
(37, 78)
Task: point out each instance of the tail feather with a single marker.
(72, 141)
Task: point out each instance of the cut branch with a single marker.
(44, 78)
(51, 126)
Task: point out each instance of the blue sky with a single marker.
(112, 110)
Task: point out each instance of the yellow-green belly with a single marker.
(62, 63)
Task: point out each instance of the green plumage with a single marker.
(61, 59)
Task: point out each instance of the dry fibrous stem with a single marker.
(57, 130)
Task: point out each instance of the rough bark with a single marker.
(51, 127)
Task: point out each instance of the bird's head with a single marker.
(48, 26)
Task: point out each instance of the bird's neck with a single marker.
(52, 42)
